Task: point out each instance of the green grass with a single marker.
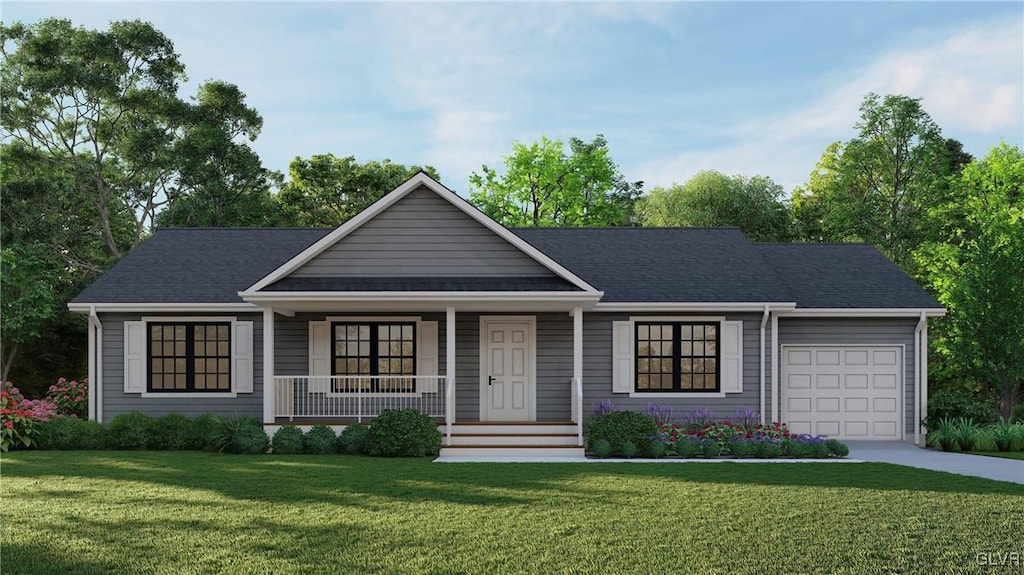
(1004, 454)
(194, 512)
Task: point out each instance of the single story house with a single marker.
(507, 336)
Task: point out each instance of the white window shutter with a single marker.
(135, 357)
(732, 357)
(319, 356)
(426, 357)
(622, 356)
(241, 357)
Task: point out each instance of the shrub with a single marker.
(957, 403)
(688, 447)
(618, 427)
(354, 440)
(228, 429)
(795, 449)
(602, 448)
(17, 428)
(630, 450)
(699, 418)
(942, 435)
(70, 397)
(40, 410)
(837, 448)
(739, 447)
(966, 433)
(250, 439)
(133, 430)
(721, 433)
(404, 433)
(710, 448)
(1005, 436)
(819, 450)
(66, 433)
(320, 439)
(767, 448)
(174, 432)
(656, 449)
(205, 430)
(288, 440)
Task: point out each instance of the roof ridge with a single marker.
(238, 228)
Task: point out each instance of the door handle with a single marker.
(490, 379)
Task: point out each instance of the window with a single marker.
(374, 349)
(677, 357)
(189, 357)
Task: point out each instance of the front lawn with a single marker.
(1004, 454)
(195, 512)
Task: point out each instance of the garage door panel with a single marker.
(848, 392)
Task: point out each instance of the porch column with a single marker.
(92, 365)
(268, 365)
(577, 370)
(449, 370)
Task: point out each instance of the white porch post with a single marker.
(268, 365)
(449, 370)
(577, 370)
(92, 365)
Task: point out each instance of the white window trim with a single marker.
(375, 319)
(193, 394)
(678, 394)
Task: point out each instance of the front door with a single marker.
(507, 369)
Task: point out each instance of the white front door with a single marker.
(507, 368)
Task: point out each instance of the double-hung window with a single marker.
(374, 356)
(678, 357)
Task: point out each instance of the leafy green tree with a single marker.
(978, 273)
(325, 191)
(878, 186)
(712, 199)
(544, 186)
(28, 301)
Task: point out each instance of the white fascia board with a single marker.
(863, 312)
(424, 296)
(142, 307)
(691, 306)
(420, 179)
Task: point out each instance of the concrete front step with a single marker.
(459, 438)
(511, 428)
(510, 451)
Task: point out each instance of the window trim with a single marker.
(230, 319)
(676, 357)
(374, 356)
(720, 319)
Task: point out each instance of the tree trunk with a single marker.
(7, 360)
(1009, 400)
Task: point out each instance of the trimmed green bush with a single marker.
(959, 403)
(354, 439)
(67, 433)
(250, 440)
(404, 433)
(629, 450)
(767, 449)
(657, 449)
(133, 430)
(687, 448)
(820, 450)
(739, 447)
(288, 440)
(319, 440)
(619, 427)
(710, 449)
(228, 429)
(837, 448)
(205, 430)
(174, 432)
(602, 448)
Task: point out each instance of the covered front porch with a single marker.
(500, 373)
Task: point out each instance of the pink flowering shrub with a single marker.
(17, 428)
(71, 398)
(39, 409)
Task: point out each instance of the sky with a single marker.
(675, 87)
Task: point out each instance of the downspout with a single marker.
(917, 378)
(764, 321)
(775, 366)
(96, 366)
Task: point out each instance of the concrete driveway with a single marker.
(906, 453)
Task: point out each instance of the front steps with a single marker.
(512, 440)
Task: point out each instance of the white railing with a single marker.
(577, 408)
(357, 397)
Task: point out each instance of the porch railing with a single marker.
(357, 397)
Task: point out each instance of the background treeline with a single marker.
(98, 149)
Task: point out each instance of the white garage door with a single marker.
(842, 392)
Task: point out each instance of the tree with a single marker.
(978, 273)
(877, 186)
(325, 191)
(544, 186)
(28, 301)
(712, 199)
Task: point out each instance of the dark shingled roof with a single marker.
(662, 264)
(198, 265)
(423, 284)
(843, 276)
(211, 265)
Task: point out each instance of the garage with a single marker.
(847, 392)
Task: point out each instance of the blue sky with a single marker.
(742, 87)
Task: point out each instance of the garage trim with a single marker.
(901, 396)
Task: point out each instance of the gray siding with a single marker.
(839, 331)
(597, 369)
(116, 401)
(422, 235)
